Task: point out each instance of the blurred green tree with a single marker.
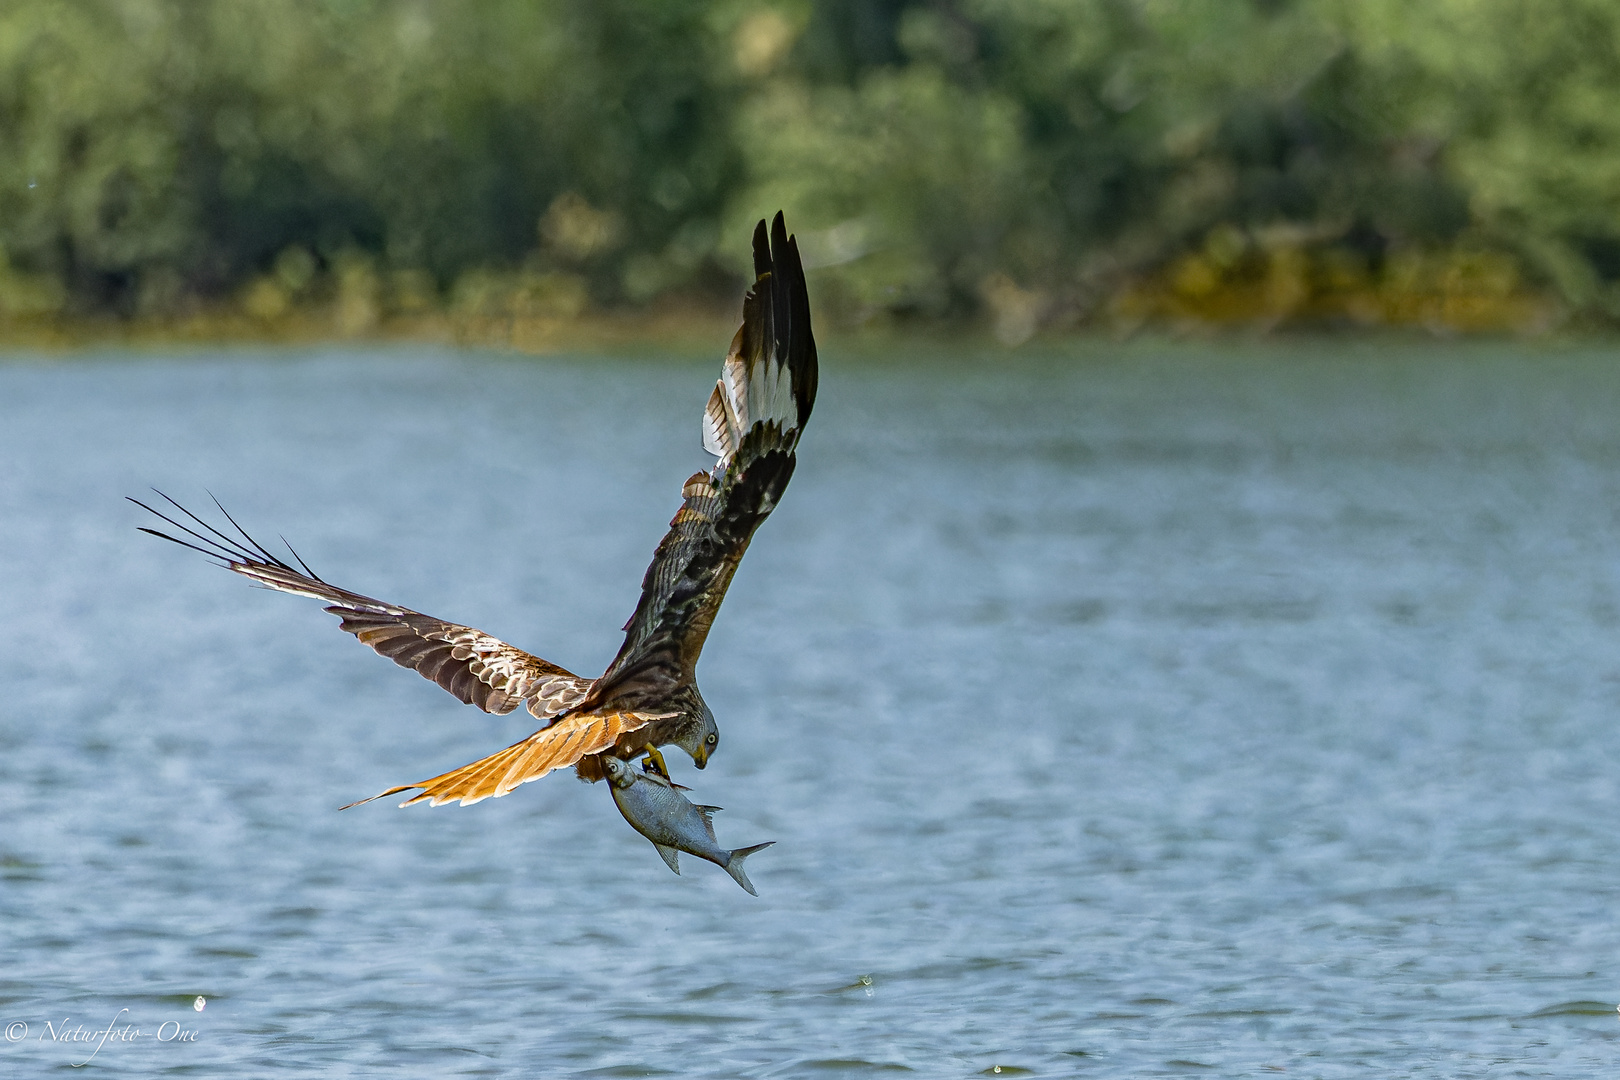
(1041, 161)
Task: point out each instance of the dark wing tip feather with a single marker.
(312, 574)
(802, 361)
(777, 310)
(790, 314)
(175, 540)
(781, 325)
(218, 546)
(252, 543)
(778, 232)
(762, 249)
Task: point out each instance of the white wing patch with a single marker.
(748, 395)
(719, 425)
(734, 377)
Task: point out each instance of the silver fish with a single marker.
(656, 810)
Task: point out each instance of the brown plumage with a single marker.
(648, 695)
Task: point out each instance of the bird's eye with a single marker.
(712, 739)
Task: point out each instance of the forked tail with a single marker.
(735, 861)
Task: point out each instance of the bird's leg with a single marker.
(654, 762)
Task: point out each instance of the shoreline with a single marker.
(706, 331)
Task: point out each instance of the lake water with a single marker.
(1135, 711)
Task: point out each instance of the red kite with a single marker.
(648, 697)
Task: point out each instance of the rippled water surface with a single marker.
(1144, 711)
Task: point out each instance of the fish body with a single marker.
(656, 810)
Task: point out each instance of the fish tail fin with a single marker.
(734, 865)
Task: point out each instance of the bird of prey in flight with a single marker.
(648, 697)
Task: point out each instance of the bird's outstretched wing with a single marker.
(475, 667)
(752, 422)
(557, 746)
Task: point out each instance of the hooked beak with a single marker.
(701, 758)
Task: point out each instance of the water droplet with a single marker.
(31, 183)
(200, 1004)
(866, 981)
(998, 1068)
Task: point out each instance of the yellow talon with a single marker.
(654, 762)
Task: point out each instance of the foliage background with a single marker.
(1029, 162)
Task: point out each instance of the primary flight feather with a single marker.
(648, 697)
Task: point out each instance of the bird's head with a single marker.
(701, 739)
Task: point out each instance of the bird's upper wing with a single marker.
(752, 422)
(557, 746)
(478, 669)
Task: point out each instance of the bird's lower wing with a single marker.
(478, 669)
(556, 747)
